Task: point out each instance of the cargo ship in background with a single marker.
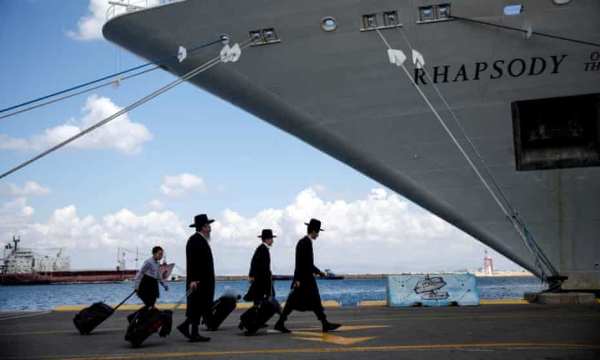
(26, 266)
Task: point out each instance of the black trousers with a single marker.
(287, 310)
(148, 290)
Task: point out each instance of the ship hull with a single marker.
(338, 92)
(69, 277)
(77, 277)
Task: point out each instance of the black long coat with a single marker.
(306, 297)
(260, 270)
(200, 267)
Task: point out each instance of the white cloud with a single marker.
(125, 227)
(379, 217)
(156, 205)
(319, 188)
(89, 27)
(178, 186)
(66, 228)
(120, 134)
(378, 233)
(30, 188)
(13, 214)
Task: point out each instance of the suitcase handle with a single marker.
(188, 293)
(123, 302)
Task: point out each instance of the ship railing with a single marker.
(118, 7)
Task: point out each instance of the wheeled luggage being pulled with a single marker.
(257, 316)
(221, 309)
(148, 320)
(89, 318)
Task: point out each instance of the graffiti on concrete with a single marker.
(429, 288)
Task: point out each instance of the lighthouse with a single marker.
(488, 264)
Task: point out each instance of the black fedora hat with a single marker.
(267, 234)
(314, 224)
(201, 220)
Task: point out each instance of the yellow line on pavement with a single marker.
(345, 349)
(372, 303)
(325, 304)
(123, 307)
(503, 302)
(481, 302)
(170, 306)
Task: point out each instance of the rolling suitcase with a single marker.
(221, 309)
(148, 320)
(257, 316)
(167, 323)
(89, 318)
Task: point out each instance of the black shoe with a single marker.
(199, 338)
(184, 329)
(241, 326)
(327, 327)
(281, 328)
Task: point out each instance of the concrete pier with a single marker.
(492, 332)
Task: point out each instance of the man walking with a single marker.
(261, 278)
(305, 292)
(200, 277)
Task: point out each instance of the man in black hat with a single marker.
(200, 277)
(261, 278)
(305, 292)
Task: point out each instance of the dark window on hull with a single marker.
(557, 133)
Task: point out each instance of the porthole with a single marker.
(328, 24)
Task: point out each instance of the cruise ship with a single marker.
(485, 113)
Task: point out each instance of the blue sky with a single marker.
(196, 131)
(251, 174)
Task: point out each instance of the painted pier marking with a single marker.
(314, 334)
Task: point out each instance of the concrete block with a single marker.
(432, 290)
(531, 296)
(566, 298)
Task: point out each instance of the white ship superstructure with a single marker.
(20, 260)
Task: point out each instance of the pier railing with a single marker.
(118, 7)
